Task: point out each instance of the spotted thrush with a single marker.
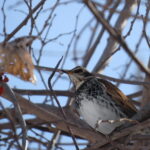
(97, 100)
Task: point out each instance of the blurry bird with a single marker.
(22, 42)
(15, 58)
(97, 101)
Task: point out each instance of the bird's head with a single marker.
(78, 75)
(24, 41)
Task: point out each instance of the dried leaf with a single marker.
(15, 58)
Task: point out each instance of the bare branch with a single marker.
(115, 35)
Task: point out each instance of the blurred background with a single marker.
(67, 28)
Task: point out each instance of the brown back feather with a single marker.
(119, 97)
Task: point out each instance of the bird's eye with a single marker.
(78, 71)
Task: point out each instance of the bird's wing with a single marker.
(119, 97)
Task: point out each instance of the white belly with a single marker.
(92, 112)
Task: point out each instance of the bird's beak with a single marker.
(66, 71)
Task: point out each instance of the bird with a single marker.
(98, 101)
(15, 58)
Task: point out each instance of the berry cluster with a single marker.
(3, 78)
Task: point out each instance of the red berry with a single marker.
(1, 90)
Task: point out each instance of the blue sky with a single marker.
(65, 22)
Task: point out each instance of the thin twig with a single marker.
(12, 124)
(116, 35)
(43, 92)
(22, 122)
(57, 101)
(100, 75)
(24, 22)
